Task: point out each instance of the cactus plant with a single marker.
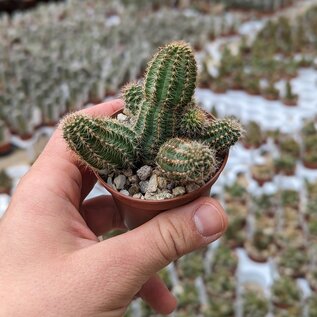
(186, 160)
(166, 128)
(285, 293)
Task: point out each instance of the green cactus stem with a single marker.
(222, 134)
(171, 76)
(168, 88)
(132, 94)
(194, 122)
(186, 161)
(103, 144)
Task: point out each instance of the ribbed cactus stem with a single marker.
(168, 88)
(194, 122)
(132, 94)
(103, 144)
(222, 134)
(171, 76)
(186, 161)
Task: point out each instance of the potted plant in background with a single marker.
(265, 205)
(285, 293)
(224, 259)
(261, 246)
(235, 235)
(290, 98)
(254, 137)
(312, 305)
(294, 311)
(310, 151)
(221, 285)
(290, 198)
(5, 183)
(188, 300)
(289, 146)
(191, 265)
(5, 145)
(292, 263)
(166, 135)
(255, 304)
(270, 92)
(219, 307)
(263, 173)
(285, 164)
(290, 236)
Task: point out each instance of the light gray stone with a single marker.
(122, 117)
(152, 184)
(178, 191)
(109, 181)
(162, 182)
(170, 186)
(191, 187)
(148, 196)
(144, 172)
(144, 186)
(163, 195)
(138, 196)
(120, 181)
(124, 192)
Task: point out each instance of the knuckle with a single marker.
(172, 241)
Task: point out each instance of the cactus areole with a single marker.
(166, 129)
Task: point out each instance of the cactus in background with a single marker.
(223, 133)
(101, 143)
(186, 161)
(166, 128)
(132, 94)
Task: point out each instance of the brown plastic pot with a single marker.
(136, 212)
(5, 149)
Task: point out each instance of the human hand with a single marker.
(52, 263)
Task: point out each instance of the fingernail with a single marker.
(208, 220)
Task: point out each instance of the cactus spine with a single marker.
(102, 144)
(186, 161)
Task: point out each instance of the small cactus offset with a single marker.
(222, 133)
(186, 160)
(194, 122)
(102, 144)
(132, 94)
(166, 128)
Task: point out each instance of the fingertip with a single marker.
(210, 218)
(106, 108)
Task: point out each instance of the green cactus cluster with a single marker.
(167, 128)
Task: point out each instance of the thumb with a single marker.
(168, 236)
